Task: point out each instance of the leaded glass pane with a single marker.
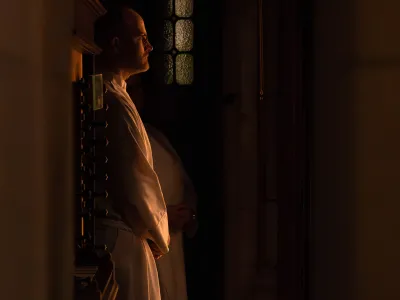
(169, 70)
(168, 11)
(168, 36)
(184, 8)
(184, 69)
(184, 35)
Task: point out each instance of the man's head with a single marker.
(122, 36)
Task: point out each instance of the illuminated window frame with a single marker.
(179, 12)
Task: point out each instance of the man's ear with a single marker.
(115, 44)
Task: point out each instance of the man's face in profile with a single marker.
(135, 48)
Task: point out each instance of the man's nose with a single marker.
(149, 47)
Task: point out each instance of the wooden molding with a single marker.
(86, 14)
(76, 65)
(96, 6)
(83, 45)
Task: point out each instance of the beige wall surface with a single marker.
(356, 224)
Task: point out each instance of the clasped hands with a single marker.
(179, 216)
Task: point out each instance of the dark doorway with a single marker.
(189, 115)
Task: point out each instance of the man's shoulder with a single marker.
(115, 108)
(110, 94)
(113, 100)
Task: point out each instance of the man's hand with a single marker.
(154, 249)
(178, 216)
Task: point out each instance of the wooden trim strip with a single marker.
(96, 7)
(84, 46)
(261, 49)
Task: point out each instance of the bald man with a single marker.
(136, 228)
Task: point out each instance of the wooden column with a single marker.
(36, 152)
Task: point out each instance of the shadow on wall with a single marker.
(333, 255)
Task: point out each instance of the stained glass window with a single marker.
(169, 71)
(168, 35)
(184, 35)
(184, 69)
(184, 8)
(178, 42)
(168, 13)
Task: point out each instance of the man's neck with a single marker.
(103, 67)
(124, 74)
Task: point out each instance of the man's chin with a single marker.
(143, 68)
(146, 67)
(140, 69)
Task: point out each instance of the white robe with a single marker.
(137, 197)
(175, 185)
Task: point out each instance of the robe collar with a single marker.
(116, 79)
